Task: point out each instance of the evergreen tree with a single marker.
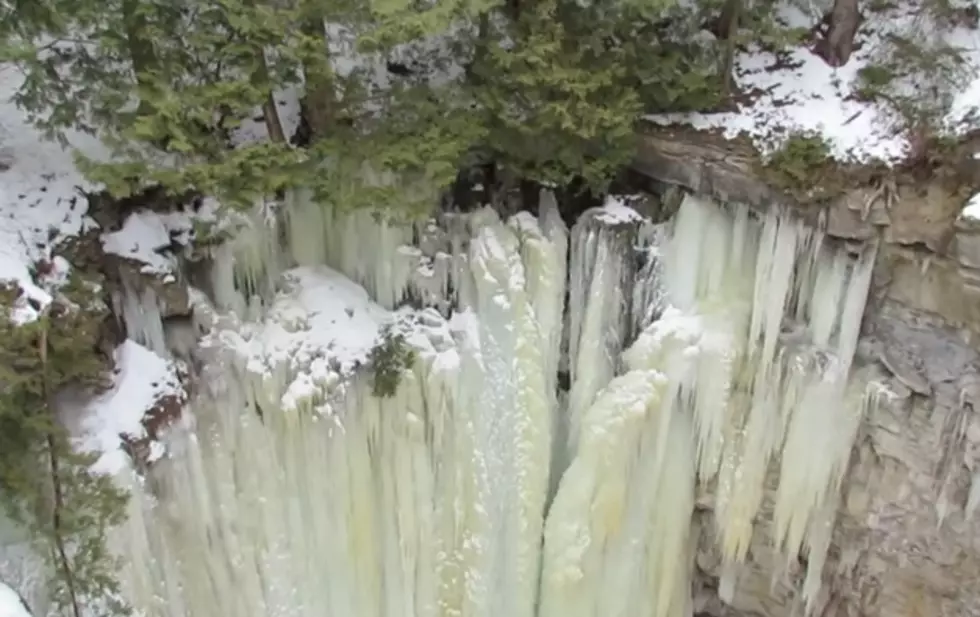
(561, 84)
(915, 71)
(165, 84)
(46, 485)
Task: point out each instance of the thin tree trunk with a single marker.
(272, 122)
(728, 28)
(64, 562)
(58, 495)
(319, 102)
(475, 68)
(270, 112)
(263, 81)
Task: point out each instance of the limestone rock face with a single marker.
(907, 540)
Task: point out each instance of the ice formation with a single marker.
(713, 350)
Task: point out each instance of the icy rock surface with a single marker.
(291, 488)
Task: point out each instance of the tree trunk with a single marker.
(272, 122)
(270, 112)
(320, 102)
(837, 46)
(61, 553)
(475, 68)
(141, 52)
(728, 30)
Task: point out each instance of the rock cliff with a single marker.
(907, 542)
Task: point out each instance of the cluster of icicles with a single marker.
(708, 352)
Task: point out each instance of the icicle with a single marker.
(953, 438)
(600, 274)
(513, 426)
(973, 499)
(649, 301)
(299, 493)
(140, 310)
(362, 244)
(756, 391)
(613, 546)
(257, 254)
(544, 251)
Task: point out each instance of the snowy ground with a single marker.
(40, 200)
(802, 93)
(41, 205)
(11, 604)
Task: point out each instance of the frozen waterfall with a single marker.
(711, 352)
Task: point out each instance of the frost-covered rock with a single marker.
(123, 424)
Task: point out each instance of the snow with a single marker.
(972, 209)
(800, 93)
(142, 237)
(141, 379)
(964, 113)
(253, 130)
(615, 211)
(147, 236)
(332, 313)
(320, 326)
(10, 603)
(40, 196)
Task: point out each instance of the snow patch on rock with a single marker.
(320, 327)
(972, 209)
(141, 380)
(41, 199)
(616, 210)
(147, 236)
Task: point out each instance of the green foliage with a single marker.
(872, 80)
(388, 360)
(915, 71)
(552, 89)
(402, 160)
(403, 21)
(556, 105)
(47, 486)
(803, 167)
(200, 71)
(799, 155)
(209, 233)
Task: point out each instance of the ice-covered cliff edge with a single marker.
(702, 352)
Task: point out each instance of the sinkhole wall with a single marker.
(710, 353)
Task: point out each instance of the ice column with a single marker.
(618, 537)
(600, 273)
(291, 490)
(778, 312)
(363, 244)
